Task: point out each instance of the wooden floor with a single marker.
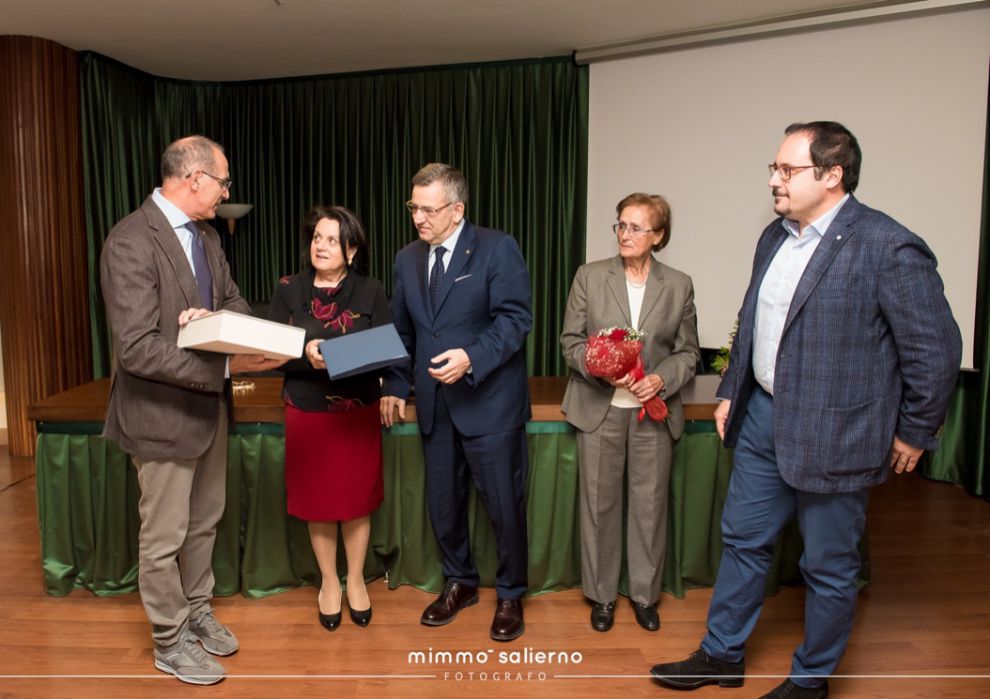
(926, 613)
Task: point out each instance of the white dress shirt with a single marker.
(448, 250)
(178, 220)
(623, 398)
(777, 290)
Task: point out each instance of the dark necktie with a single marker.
(436, 278)
(201, 268)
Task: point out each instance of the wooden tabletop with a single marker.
(88, 402)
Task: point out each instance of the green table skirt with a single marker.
(87, 509)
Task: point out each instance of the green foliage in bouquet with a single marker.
(720, 362)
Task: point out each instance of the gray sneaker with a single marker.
(188, 662)
(215, 637)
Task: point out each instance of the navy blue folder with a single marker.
(364, 351)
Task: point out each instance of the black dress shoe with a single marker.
(455, 597)
(329, 621)
(789, 690)
(508, 622)
(646, 616)
(602, 615)
(698, 670)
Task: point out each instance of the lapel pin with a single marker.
(468, 251)
(838, 237)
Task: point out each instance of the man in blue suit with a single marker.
(842, 368)
(461, 304)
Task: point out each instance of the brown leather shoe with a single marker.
(508, 622)
(455, 597)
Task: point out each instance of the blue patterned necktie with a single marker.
(436, 278)
(201, 268)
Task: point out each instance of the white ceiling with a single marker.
(250, 39)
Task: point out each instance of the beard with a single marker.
(781, 203)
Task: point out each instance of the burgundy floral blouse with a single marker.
(358, 303)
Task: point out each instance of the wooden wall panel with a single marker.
(44, 311)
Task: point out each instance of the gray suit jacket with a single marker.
(164, 400)
(869, 350)
(599, 300)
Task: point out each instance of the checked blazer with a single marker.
(869, 350)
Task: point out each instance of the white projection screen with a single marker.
(699, 125)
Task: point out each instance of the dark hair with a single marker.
(352, 235)
(832, 144)
(659, 213)
(454, 185)
(188, 154)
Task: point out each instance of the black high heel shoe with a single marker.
(360, 617)
(331, 621)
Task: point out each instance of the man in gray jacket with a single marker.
(161, 267)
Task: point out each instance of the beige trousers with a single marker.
(602, 457)
(180, 506)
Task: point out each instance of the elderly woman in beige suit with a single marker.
(633, 290)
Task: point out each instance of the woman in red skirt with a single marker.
(333, 444)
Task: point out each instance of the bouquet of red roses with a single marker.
(615, 352)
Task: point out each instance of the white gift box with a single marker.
(235, 333)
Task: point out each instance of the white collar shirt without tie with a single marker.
(777, 290)
(623, 398)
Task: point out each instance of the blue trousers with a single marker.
(498, 464)
(758, 505)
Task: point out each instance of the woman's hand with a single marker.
(647, 387)
(625, 382)
(312, 353)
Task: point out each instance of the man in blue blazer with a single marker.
(461, 304)
(842, 368)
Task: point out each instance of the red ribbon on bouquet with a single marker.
(615, 352)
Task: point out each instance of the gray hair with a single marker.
(189, 154)
(454, 185)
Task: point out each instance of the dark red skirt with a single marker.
(333, 464)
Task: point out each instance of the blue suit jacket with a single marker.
(869, 350)
(485, 310)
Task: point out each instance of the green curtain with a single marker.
(87, 510)
(518, 130)
(979, 415)
(117, 109)
(964, 454)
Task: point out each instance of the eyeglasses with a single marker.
(786, 171)
(224, 183)
(428, 211)
(635, 231)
